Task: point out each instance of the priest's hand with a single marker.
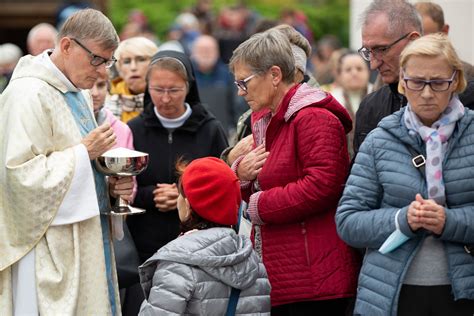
(121, 186)
(99, 140)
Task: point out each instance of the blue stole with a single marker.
(86, 123)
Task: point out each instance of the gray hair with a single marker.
(402, 16)
(90, 24)
(41, 27)
(264, 50)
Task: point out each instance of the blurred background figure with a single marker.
(351, 86)
(216, 85)
(10, 54)
(299, 21)
(202, 10)
(432, 17)
(41, 37)
(68, 8)
(188, 25)
(137, 25)
(233, 26)
(133, 57)
(322, 56)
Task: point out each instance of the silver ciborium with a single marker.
(122, 162)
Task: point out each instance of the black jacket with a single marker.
(375, 107)
(385, 101)
(200, 136)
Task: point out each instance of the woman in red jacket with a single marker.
(293, 180)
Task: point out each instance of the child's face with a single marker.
(99, 92)
(183, 208)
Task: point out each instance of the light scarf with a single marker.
(436, 139)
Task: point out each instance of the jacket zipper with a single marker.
(305, 235)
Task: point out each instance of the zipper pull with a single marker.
(170, 137)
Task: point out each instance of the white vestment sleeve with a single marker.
(80, 202)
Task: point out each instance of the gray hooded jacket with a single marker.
(193, 275)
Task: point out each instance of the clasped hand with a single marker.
(252, 164)
(426, 214)
(165, 197)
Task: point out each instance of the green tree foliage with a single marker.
(324, 16)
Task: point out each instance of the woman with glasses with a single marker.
(173, 124)
(410, 197)
(299, 166)
(133, 57)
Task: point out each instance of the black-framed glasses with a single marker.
(378, 52)
(437, 85)
(96, 60)
(242, 84)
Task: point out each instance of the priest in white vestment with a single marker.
(55, 246)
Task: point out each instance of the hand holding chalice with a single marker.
(121, 162)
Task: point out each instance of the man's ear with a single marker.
(65, 45)
(414, 35)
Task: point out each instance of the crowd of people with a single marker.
(358, 191)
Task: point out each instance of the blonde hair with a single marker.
(139, 45)
(434, 45)
(90, 24)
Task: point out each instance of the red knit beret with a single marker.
(212, 189)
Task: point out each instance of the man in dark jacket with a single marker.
(388, 26)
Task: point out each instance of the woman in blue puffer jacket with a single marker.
(428, 212)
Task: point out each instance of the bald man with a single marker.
(41, 37)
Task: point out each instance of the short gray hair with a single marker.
(264, 50)
(90, 24)
(402, 16)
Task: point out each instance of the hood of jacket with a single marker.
(220, 252)
(29, 67)
(306, 96)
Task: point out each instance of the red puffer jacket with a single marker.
(301, 183)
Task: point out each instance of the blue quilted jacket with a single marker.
(383, 181)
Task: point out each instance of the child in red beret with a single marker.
(195, 273)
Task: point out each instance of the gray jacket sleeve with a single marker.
(173, 285)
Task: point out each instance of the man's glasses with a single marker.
(172, 92)
(378, 52)
(242, 84)
(437, 85)
(96, 60)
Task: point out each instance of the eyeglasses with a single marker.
(438, 85)
(242, 84)
(96, 60)
(172, 92)
(138, 60)
(378, 52)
